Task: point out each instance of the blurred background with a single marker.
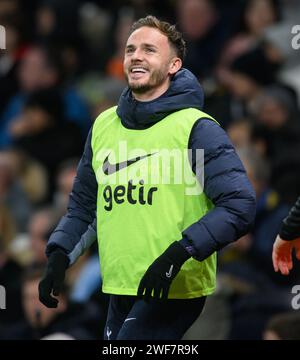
(62, 66)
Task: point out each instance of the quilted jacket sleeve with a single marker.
(227, 186)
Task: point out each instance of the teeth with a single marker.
(138, 70)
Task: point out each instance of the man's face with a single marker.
(148, 60)
(34, 73)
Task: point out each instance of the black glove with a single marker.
(53, 279)
(161, 272)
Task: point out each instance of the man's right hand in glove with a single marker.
(53, 279)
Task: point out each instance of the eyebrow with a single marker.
(143, 45)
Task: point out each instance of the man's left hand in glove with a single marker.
(161, 272)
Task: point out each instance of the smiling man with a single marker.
(149, 63)
(157, 240)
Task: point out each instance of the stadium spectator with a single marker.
(284, 326)
(68, 318)
(41, 69)
(204, 32)
(278, 126)
(12, 194)
(42, 132)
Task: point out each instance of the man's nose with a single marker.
(137, 55)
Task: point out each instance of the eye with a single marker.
(150, 50)
(129, 50)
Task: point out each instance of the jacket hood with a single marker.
(184, 92)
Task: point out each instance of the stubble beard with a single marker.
(157, 77)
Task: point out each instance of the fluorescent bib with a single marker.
(147, 195)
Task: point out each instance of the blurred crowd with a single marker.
(61, 67)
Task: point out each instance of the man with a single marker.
(41, 69)
(40, 321)
(157, 244)
(283, 326)
(287, 240)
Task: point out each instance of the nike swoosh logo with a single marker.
(169, 273)
(109, 168)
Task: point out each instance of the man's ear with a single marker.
(175, 65)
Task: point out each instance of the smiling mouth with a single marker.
(138, 70)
